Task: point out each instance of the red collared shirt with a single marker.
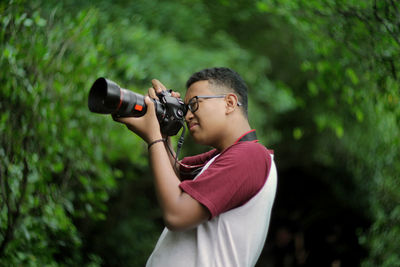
(233, 178)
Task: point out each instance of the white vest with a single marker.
(233, 238)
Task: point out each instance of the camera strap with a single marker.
(248, 136)
(180, 142)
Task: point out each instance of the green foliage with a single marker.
(57, 165)
(323, 78)
(49, 173)
(353, 61)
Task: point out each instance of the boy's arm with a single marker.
(180, 210)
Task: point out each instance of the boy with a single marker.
(220, 215)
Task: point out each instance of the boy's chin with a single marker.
(199, 139)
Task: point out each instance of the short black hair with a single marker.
(225, 77)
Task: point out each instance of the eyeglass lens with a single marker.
(193, 104)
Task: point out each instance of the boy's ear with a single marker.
(231, 103)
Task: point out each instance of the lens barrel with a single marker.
(106, 97)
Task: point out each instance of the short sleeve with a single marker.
(234, 177)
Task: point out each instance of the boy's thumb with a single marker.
(149, 104)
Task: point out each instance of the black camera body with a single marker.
(107, 97)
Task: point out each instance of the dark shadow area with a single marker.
(310, 225)
(133, 222)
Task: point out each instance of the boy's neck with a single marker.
(233, 132)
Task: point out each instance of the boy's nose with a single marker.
(189, 115)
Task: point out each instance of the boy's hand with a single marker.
(159, 87)
(147, 126)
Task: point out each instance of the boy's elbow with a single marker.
(185, 215)
(173, 228)
(174, 223)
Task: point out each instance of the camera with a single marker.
(107, 97)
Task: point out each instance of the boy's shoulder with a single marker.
(248, 147)
(246, 151)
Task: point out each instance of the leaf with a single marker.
(352, 75)
(297, 133)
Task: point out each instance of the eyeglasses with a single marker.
(193, 104)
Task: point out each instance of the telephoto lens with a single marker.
(107, 97)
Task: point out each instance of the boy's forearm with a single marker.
(165, 179)
(180, 210)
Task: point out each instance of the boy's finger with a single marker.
(152, 93)
(158, 86)
(175, 94)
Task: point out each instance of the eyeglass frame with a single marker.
(188, 106)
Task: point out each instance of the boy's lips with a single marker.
(192, 125)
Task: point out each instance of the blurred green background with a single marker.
(323, 79)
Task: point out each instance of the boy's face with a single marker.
(207, 123)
